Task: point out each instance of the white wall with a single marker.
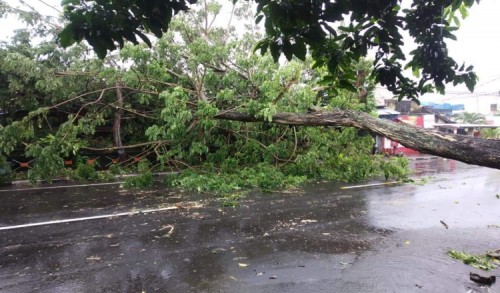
(479, 104)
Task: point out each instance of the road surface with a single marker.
(324, 237)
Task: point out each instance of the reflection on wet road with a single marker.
(322, 238)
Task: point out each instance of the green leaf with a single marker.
(66, 38)
(287, 50)
(299, 49)
(469, 3)
(345, 84)
(259, 18)
(416, 72)
(470, 81)
(456, 4)
(100, 51)
(67, 2)
(275, 51)
(262, 45)
(333, 65)
(144, 38)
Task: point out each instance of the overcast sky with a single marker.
(478, 44)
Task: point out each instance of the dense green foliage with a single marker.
(337, 33)
(5, 171)
(144, 177)
(60, 103)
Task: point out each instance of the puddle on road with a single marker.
(462, 201)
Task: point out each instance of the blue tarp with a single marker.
(444, 106)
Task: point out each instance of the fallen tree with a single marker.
(296, 28)
(173, 91)
(467, 149)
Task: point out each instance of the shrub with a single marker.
(395, 167)
(144, 179)
(85, 172)
(5, 172)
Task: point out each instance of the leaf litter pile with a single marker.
(487, 261)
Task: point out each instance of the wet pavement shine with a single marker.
(320, 238)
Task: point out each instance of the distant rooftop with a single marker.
(444, 106)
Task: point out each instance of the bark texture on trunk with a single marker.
(117, 122)
(462, 148)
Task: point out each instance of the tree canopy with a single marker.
(185, 99)
(335, 32)
(172, 103)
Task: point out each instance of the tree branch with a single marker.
(462, 148)
(159, 142)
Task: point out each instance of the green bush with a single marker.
(85, 172)
(144, 179)
(395, 167)
(116, 169)
(5, 172)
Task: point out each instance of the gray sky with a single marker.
(478, 44)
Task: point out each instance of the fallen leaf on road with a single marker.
(242, 265)
(407, 242)
(218, 250)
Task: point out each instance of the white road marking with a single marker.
(62, 186)
(369, 185)
(88, 218)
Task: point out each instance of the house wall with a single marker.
(480, 104)
(420, 120)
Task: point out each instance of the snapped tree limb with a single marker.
(467, 149)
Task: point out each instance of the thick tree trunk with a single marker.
(117, 122)
(462, 148)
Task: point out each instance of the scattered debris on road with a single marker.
(482, 280)
(480, 261)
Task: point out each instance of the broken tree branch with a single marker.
(462, 148)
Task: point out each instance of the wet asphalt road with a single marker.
(321, 238)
